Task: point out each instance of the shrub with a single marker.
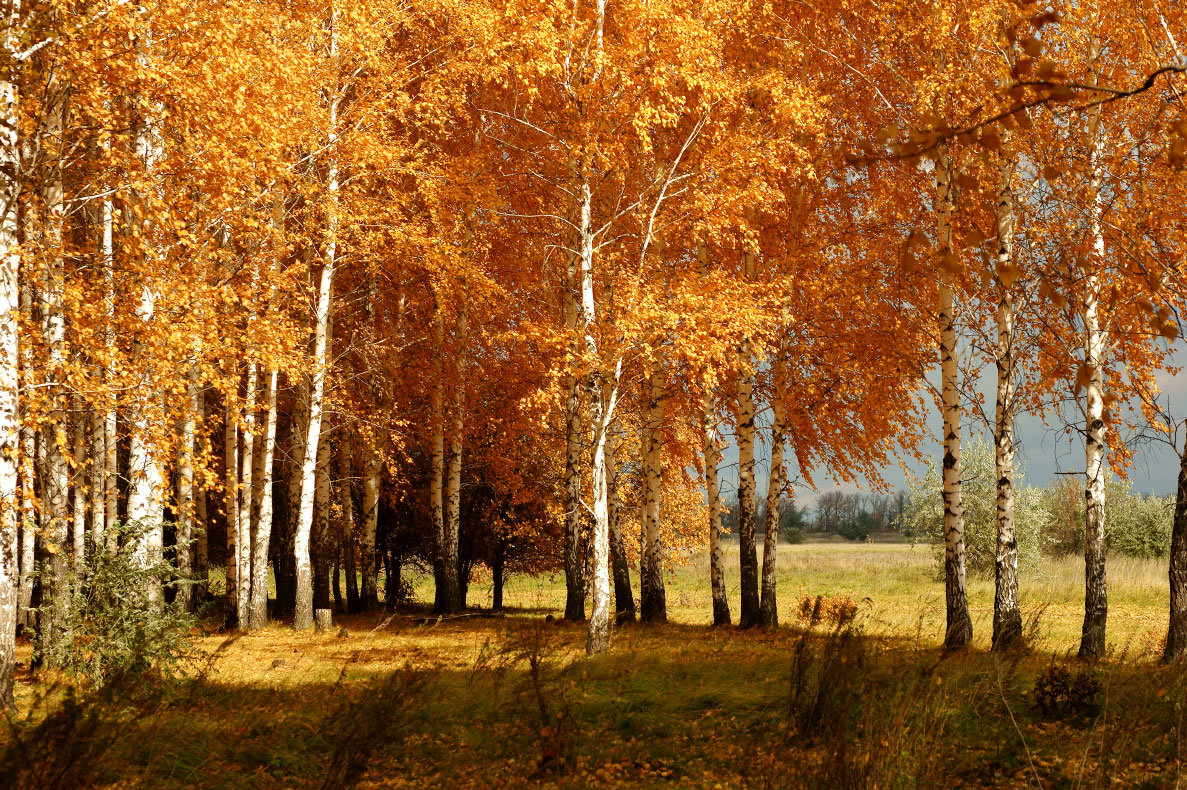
(1135, 525)
(1060, 693)
(925, 517)
(115, 630)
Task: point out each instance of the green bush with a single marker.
(1135, 525)
(114, 630)
(925, 516)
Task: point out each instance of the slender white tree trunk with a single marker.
(303, 614)
(453, 483)
(322, 539)
(624, 599)
(721, 604)
(28, 456)
(601, 412)
(750, 615)
(201, 522)
(79, 497)
(185, 491)
(573, 559)
(653, 596)
(10, 449)
(769, 614)
(303, 609)
(55, 440)
(247, 527)
(372, 472)
(959, 629)
(1007, 614)
(236, 581)
(110, 447)
(146, 505)
(1096, 602)
(445, 569)
(346, 534)
(97, 477)
(262, 535)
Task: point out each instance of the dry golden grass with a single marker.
(900, 592)
(419, 702)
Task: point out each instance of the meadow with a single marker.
(851, 691)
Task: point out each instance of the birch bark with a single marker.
(10, 428)
(721, 604)
(185, 492)
(601, 411)
(652, 595)
(236, 580)
(303, 609)
(453, 483)
(959, 630)
(748, 554)
(1096, 605)
(574, 559)
(624, 599)
(146, 506)
(257, 615)
(769, 614)
(1007, 615)
(55, 442)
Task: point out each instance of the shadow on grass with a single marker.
(815, 705)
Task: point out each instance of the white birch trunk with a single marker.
(236, 586)
(748, 553)
(372, 470)
(959, 628)
(653, 596)
(721, 605)
(201, 520)
(1007, 614)
(769, 605)
(1096, 605)
(97, 477)
(110, 447)
(28, 456)
(303, 609)
(262, 534)
(146, 505)
(322, 540)
(453, 482)
(601, 412)
(447, 587)
(79, 498)
(10, 449)
(624, 600)
(573, 559)
(185, 492)
(247, 527)
(55, 441)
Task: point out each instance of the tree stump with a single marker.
(323, 619)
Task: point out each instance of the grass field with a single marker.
(405, 701)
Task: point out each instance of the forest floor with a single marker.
(824, 701)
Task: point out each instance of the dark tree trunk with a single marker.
(497, 571)
(321, 579)
(354, 603)
(1176, 636)
(336, 583)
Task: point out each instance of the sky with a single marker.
(1043, 450)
